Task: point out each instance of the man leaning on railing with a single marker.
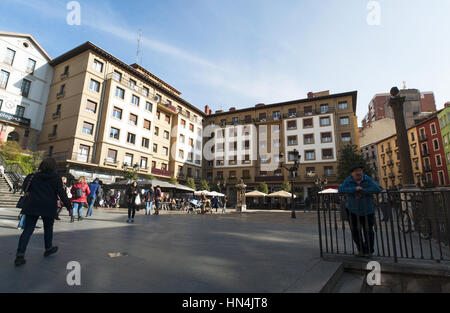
(361, 214)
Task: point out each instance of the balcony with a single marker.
(15, 119)
(64, 75)
(422, 137)
(56, 115)
(168, 107)
(60, 95)
(76, 157)
(260, 179)
(427, 168)
(162, 172)
(52, 135)
(425, 153)
(111, 162)
(389, 151)
(311, 175)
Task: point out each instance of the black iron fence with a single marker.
(398, 225)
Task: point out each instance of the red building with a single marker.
(432, 151)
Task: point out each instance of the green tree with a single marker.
(130, 174)
(11, 151)
(262, 187)
(348, 158)
(204, 185)
(286, 186)
(36, 159)
(190, 182)
(173, 180)
(150, 177)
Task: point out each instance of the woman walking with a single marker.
(149, 201)
(158, 198)
(133, 201)
(43, 191)
(79, 191)
(225, 200)
(60, 203)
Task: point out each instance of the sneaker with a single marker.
(19, 228)
(128, 220)
(50, 251)
(20, 260)
(72, 219)
(80, 218)
(132, 220)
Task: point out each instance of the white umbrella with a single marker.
(329, 190)
(281, 194)
(216, 194)
(199, 193)
(255, 194)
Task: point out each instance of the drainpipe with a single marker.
(100, 110)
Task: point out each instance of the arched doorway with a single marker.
(13, 136)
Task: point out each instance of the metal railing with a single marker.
(397, 225)
(14, 171)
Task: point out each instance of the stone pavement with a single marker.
(252, 252)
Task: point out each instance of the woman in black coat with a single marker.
(132, 192)
(42, 192)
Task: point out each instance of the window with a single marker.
(166, 134)
(128, 160)
(145, 91)
(120, 93)
(158, 115)
(326, 138)
(25, 89)
(191, 142)
(88, 128)
(327, 154)
(433, 129)
(155, 148)
(167, 118)
(131, 138)
(292, 140)
(9, 57)
(308, 111)
(343, 105)
(412, 137)
(328, 171)
(144, 163)
(291, 156)
(1, 103)
(153, 164)
(158, 98)
(156, 133)
(325, 121)
(145, 143)
(310, 172)
(308, 139)
(323, 108)
(132, 84)
(191, 127)
(310, 155)
(276, 115)
(91, 106)
(117, 76)
(262, 117)
(117, 113)
(190, 157)
(94, 86)
(20, 111)
(83, 154)
(147, 124)
(135, 100)
(181, 154)
(183, 123)
(133, 119)
(165, 151)
(441, 178)
(114, 133)
(31, 66)
(291, 125)
(54, 130)
(4, 77)
(346, 137)
(182, 138)
(148, 106)
(436, 144)
(308, 123)
(345, 121)
(66, 71)
(292, 112)
(98, 66)
(438, 160)
(235, 120)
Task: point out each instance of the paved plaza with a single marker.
(250, 252)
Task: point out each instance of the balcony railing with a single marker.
(422, 138)
(56, 115)
(77, 157)
(425, 153)
(427, 168)
(60, 95)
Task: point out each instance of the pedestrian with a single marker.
(149, 200)
(384, 205)
(79, 191)
(43, 190)
(92, 198)
(358, 188)
(2, 171)
(100, 194)
(158, 198)
(204, 201)
(215, 203)
(225, 200)
(307, 204)
(133, 200)
(60, 203)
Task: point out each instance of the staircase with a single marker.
(7, 198)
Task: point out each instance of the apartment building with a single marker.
(444, 123)
(370, 154)
(105, 117)
(247, 143)
(389, 160)
(25, 78)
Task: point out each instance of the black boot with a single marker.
(20, 260)
(50, 251)
(72, 219)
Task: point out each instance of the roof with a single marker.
(137, 66)
(130, 69)
(30, 37)
(354, 94)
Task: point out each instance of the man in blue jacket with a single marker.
(93, 187)
(359, 204)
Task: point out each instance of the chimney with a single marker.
(259, 105)
(207, 109)
(447, 105)
(232, 109)
(310, 95)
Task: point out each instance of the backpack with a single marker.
(79, 193)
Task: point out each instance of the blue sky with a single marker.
(237, 53)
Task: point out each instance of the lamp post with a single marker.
(293, 173)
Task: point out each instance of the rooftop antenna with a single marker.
(138, 52)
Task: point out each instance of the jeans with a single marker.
(91, 206)
(365, 225)
(30, 223)
(224, 209)
(157, 206)
(77, 208)
(148, 208)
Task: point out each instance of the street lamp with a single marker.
(293, 173)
